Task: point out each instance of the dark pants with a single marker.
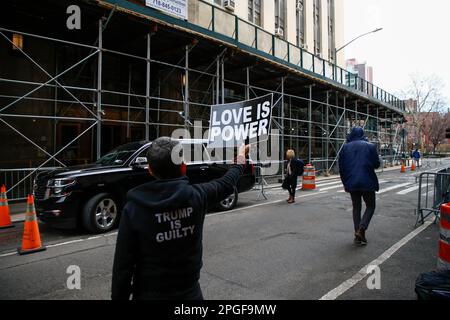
(369, 199)
(191, 294)
(292, 185)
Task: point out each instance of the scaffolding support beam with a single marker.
(147, 87)
(327, 120)
(99, 89)
(282, 122)
(310, 124)
(218, 80)
(186, 88)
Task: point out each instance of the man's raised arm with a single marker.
(218, 189)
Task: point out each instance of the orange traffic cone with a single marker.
(31, 241)
(403, 169)
(5, 218)
(413, 167)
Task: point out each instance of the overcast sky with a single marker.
(415, 38)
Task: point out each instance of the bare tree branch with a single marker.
(426, 91)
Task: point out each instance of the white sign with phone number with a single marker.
(177, 8)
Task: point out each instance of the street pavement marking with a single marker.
(67, 243)
(409, 190)
(380, 182)
(331, 188)
(361, 274)
(329, 183)
(398, 186)
(318, 184)
(261, 205)
(8, 254)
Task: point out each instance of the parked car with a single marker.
(92, 196)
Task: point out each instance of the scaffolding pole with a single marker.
(310, 125)
(147, 87)
(99, 89)
(327, 120)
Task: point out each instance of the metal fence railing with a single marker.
(19, 182)
(261, 183)
(434, 190)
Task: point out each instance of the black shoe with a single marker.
(362, 234)
(357, 240)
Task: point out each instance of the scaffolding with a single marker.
(66, 98)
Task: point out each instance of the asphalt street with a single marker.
(264, 249)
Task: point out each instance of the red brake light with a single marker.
(183, 169)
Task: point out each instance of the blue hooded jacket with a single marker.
(357, 163)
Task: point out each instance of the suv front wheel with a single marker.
(229, 202)
(100, 214)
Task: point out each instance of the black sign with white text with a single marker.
(233, 124)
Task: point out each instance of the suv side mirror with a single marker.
(140, 162)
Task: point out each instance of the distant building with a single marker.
(362, 70)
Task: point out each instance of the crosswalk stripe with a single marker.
(331, 188)
(406, 191)
(319, 184)
(398, 186)
(380, 182)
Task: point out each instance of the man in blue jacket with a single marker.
(159, 246)
(357, 163)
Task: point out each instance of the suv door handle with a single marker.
(204, 167)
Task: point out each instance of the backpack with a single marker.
(301, 167)
(433, 286)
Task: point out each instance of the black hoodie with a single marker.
(159, 244)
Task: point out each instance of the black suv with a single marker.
(93, 195)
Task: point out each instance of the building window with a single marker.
(254, 11)
(317, 27)
(280, 12)
(331, 30)
(300, 9)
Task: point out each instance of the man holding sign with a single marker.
(233, 124)
(159, 245)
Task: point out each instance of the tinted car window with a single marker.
(195, 153)
(143, 153)
(120, 155)
(222, 155)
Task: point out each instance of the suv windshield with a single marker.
(120, 155)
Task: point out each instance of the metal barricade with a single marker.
(19, 182)
(434, 190)
(260, 182)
